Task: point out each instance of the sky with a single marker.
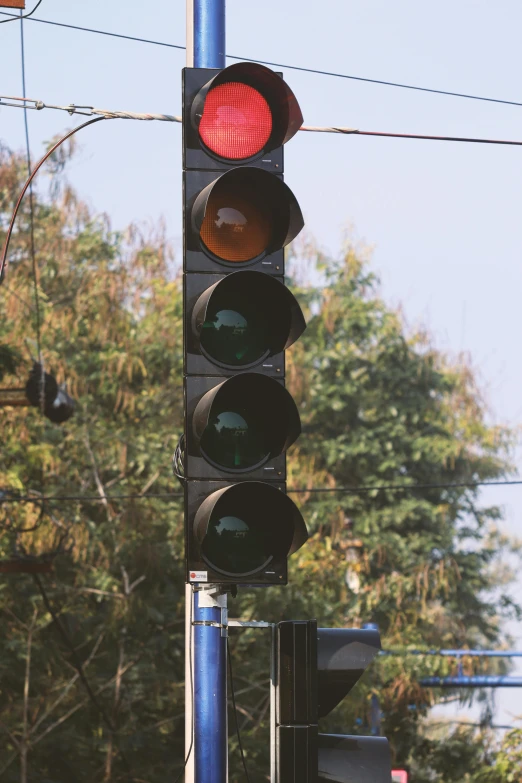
(443, 219)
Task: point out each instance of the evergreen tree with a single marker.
(92, 653)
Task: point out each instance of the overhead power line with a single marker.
(110, 114)
(85, 111)
(9, 498)
(320, 72)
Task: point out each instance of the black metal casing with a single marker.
(197, 493)
(204, 173)
(315, 669)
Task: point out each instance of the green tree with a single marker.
(379, 406)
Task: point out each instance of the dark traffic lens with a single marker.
(234, 544)
(233, 439)
(234, 334)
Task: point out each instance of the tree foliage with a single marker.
(91, 659)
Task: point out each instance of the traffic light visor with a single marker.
(245, 111)
(242, 528)
(245, 318)
(244, 214)
(245, 421)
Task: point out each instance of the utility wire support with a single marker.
(22, 16)
(90, 111)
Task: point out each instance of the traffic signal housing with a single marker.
(58, 405)
(315, 669)
(239, 319)
(240, 115)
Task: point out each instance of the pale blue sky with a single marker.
(444, 218)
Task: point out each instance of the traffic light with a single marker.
(239, 318)
(315, 669)
(58, 406)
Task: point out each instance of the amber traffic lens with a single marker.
(237, 225)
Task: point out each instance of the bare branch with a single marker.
(24, 745)
(67, 687)
(137, 582)
(9, 762)
(15, 618)
(150, 482)
(12, 737)
(98, 481)
(82, 703)
(97, 592)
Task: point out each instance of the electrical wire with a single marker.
(85, 111)
(290, 490)
(98, 32)
(89, 111)
(178, 467)
(235, 711)
(83, 498)
(382, 82)
(191, 689)
(3, 262)
(407, 487)
(24, 16)
(386, 134)
(31, 225)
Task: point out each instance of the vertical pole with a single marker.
(209, 33)
(273, 692)
(189, 686)
(210, 687)
(206, 49)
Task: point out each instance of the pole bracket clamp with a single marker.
(211, 624)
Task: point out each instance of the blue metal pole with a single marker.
(210, 695)
(209, 33)
(457, 653)
(477, 681)
(206, 49)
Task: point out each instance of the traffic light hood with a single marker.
(244, 214)
(244, 318)
(343, 655)
(242, 528)
(58, 406)
(244, 111)
(344, 759)
(244, 421)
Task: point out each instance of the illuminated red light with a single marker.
(236, 122)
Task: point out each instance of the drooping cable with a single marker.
(178, 466)
(382, 82)
(191, 690)
(31, 226)
(22, 16)
(3, 262)
(232, 693)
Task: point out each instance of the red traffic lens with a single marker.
(236, 122)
